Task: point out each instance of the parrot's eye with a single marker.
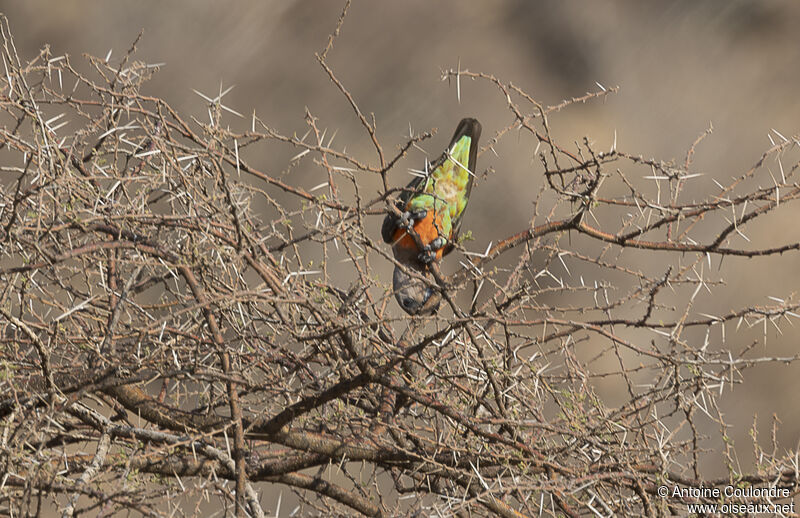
(409, 304)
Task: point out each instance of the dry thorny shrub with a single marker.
(164, 345)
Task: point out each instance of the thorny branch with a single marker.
(174, 314)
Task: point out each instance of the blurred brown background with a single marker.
(681, 65)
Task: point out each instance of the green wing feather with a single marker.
(447, 187)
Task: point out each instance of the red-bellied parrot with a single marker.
(433, 205)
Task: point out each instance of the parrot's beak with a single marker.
(414, 295)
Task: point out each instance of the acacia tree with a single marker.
(180, 327)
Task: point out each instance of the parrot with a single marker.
(433, 205)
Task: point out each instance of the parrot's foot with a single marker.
(408, 218)
(428, 253)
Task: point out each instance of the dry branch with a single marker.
(173, 315)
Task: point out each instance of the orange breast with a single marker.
(427, 231)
